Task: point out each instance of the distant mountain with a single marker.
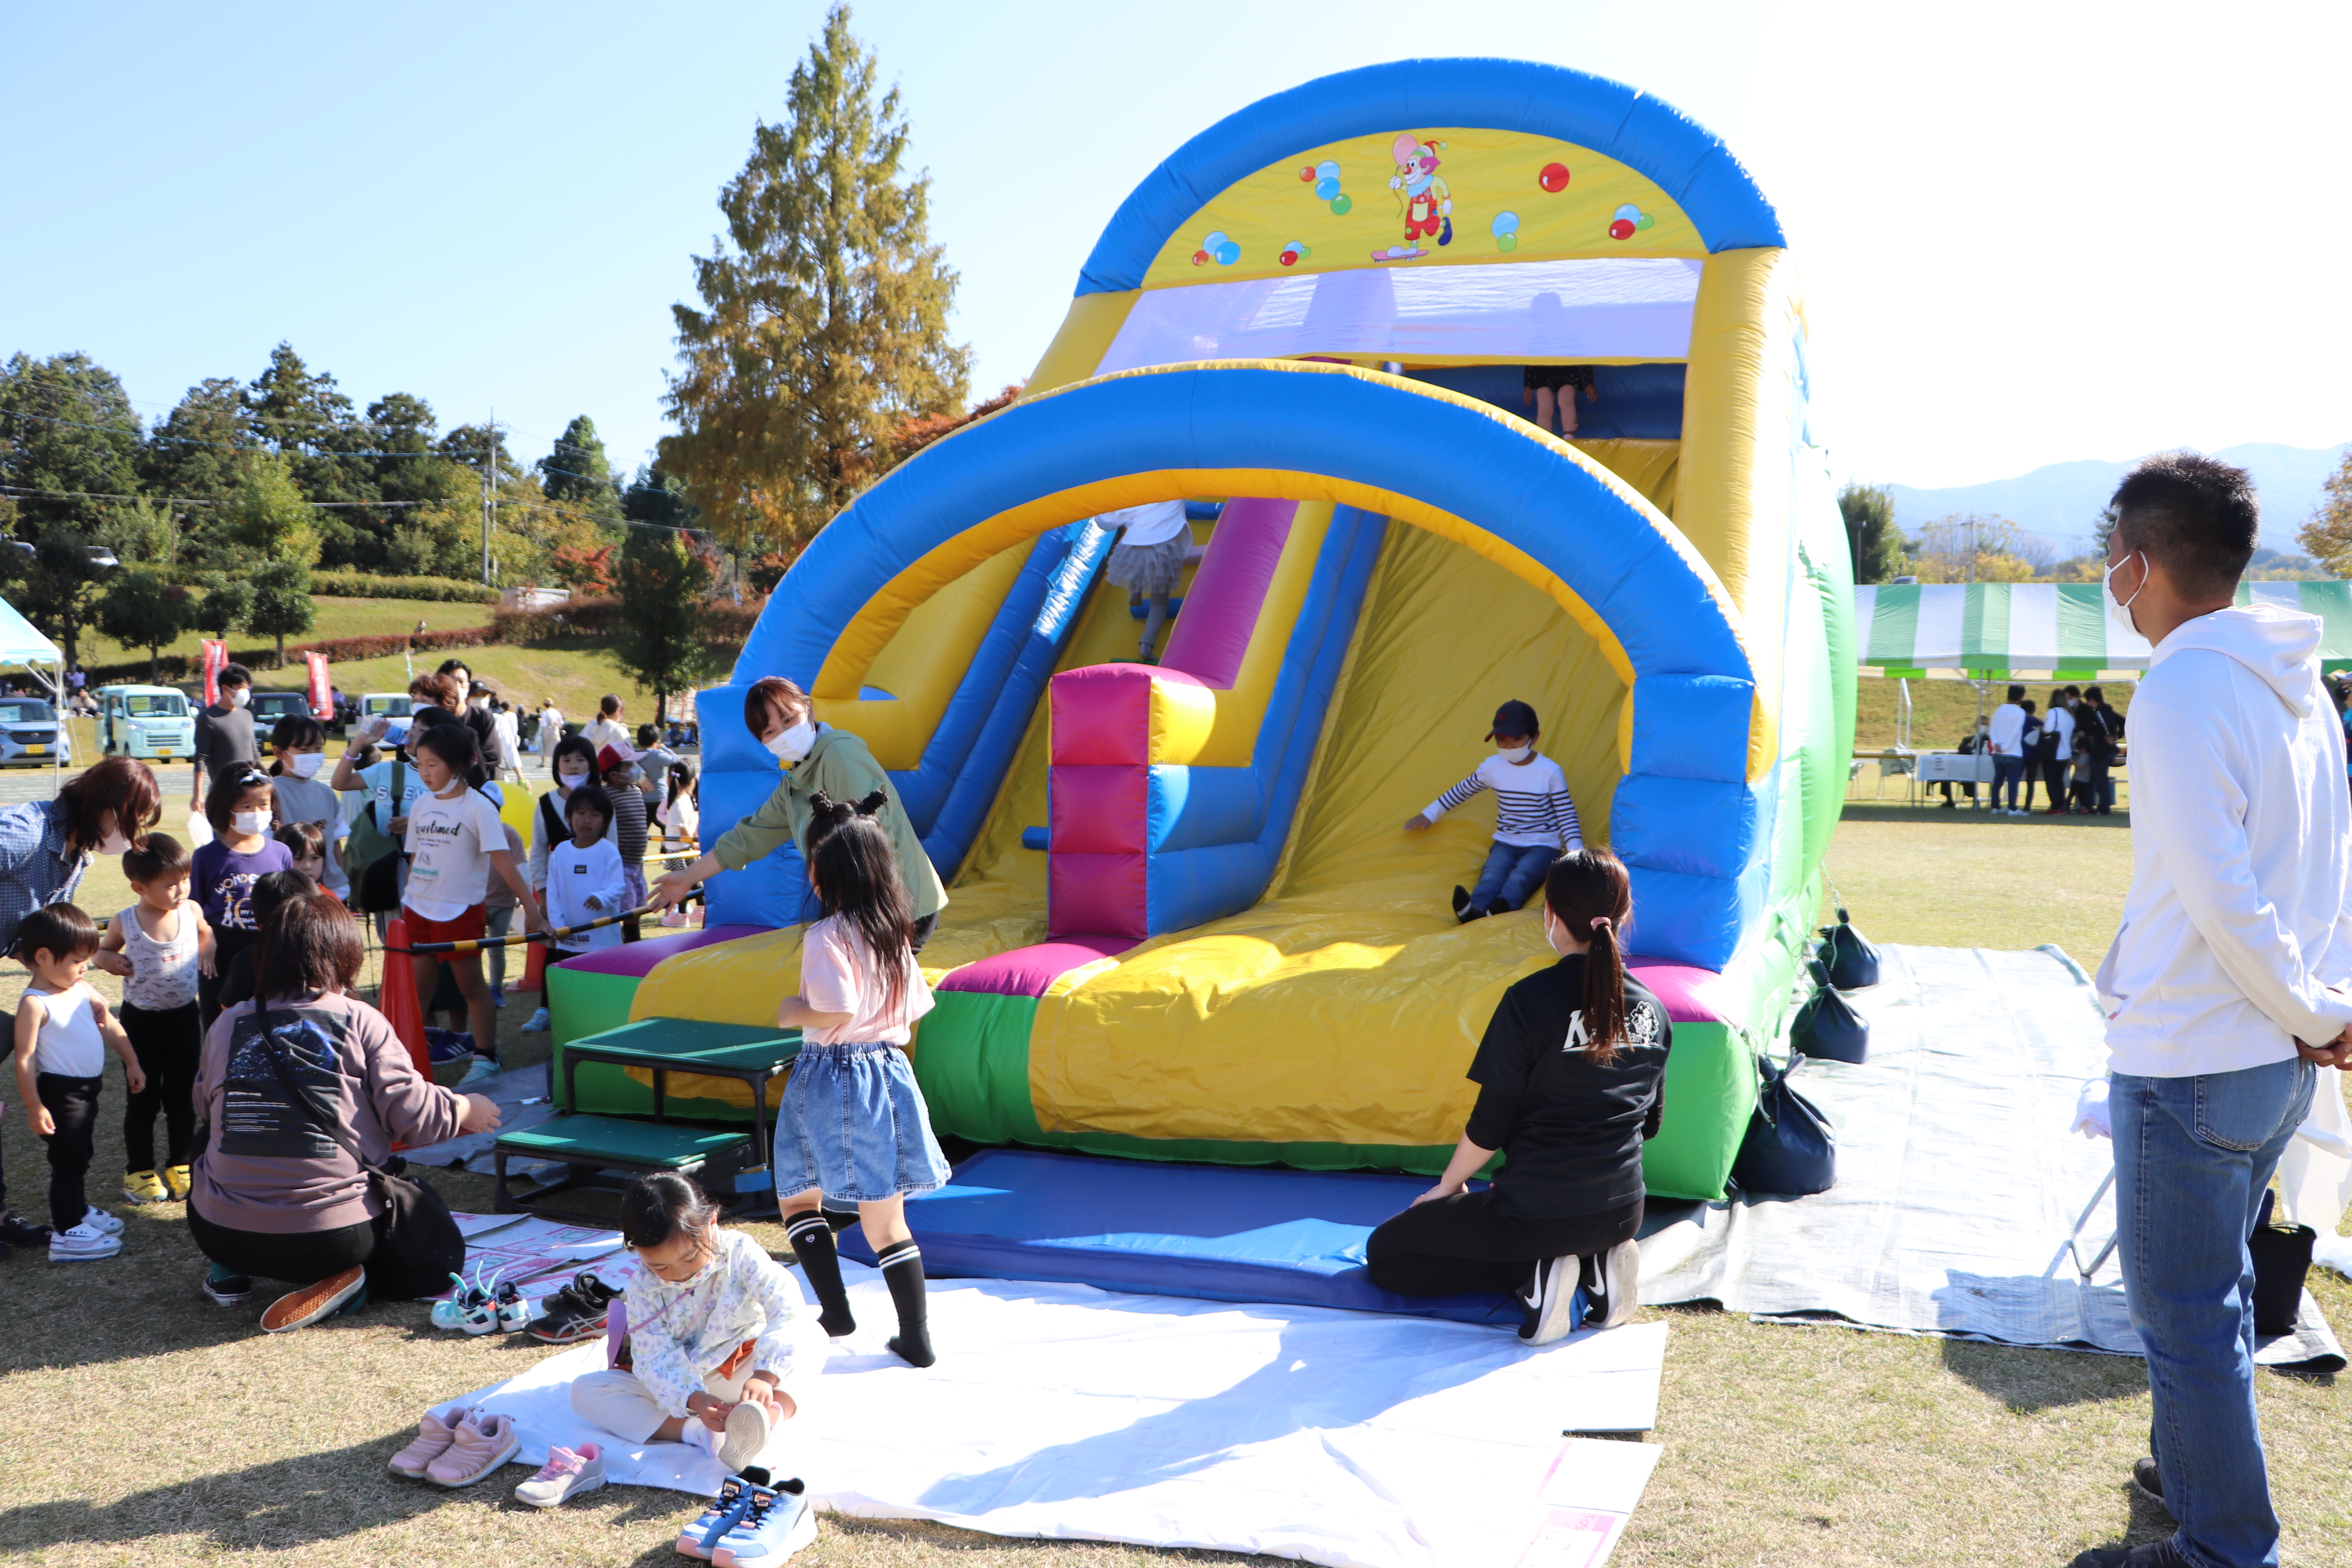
(2065, 499)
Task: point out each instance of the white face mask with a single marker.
(305, 764)
(2119, 614)
(115, 842)
(570, 780)
(238, 696)
(1517, 753)
(249, 821)
(791, 744)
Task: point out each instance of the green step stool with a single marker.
(591, 1145)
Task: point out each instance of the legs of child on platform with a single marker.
(885, 1223)
(1154, 618)
(167, 1042)
(1512, 873)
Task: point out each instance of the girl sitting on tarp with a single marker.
(1572, 1082)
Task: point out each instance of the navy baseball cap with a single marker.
(1515, 718)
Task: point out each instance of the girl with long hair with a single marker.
(1572, 1082)
(852, 1127)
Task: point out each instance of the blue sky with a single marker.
(2029, 233)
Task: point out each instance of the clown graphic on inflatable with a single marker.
(1427, 200)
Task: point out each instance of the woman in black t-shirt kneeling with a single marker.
(1572, 1082)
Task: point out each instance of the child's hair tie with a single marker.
(1600, 922)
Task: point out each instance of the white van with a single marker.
(145, 722)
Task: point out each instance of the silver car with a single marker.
(30, 735)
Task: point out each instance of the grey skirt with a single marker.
(1148, 568)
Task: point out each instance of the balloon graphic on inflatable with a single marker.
(1308, 175)
(1200, 257)
(1507, 230)
(1327, 188)
(1228, 253)
(1626, 219)
(1326, 170)
(1292, 253)
(1553, 177)
(1341, 204)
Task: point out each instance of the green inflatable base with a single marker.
(971, 1058)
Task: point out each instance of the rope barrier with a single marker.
(483, 944)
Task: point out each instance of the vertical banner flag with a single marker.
(216, 660)
(322, 698)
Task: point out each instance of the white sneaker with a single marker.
(99, 1220)
(82, 1245)
(483, 1070)
(536, 1024)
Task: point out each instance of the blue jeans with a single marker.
(1512, 872)
(2193, 1156)
(2005, 772)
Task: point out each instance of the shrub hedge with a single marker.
(367, 585)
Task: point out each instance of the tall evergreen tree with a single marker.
(303, 415)
(824, 322)
(577, 474)
(195, 453)
(69, 444)
(267, 518)
(662, 635)
(1877, 544)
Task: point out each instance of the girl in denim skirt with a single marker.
(852, 1127)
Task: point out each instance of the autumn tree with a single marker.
(2327, 537)
(824, 316)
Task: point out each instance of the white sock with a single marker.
(698, 1436)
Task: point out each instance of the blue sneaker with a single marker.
(778, 1524)
(734, 1500)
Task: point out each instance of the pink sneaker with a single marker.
(432, 1441)
(566, 1475)
(480, 1445)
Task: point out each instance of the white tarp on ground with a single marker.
(1963, 1202)
(1601, 308)
(1066, 1411)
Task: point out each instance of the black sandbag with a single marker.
(1827, 1027)
(1853, 962)
(1791, 1148)
(2282, 1255)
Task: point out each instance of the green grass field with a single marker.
(335, 618)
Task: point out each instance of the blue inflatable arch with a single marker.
(1685, 814)
(1682, 158)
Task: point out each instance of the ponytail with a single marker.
(1591, 895)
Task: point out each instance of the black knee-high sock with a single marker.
(812, 1240)
(902, 1270)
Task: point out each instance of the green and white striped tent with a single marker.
(1991, 629)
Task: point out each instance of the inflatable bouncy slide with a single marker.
(1186, 923)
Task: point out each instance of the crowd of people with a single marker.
(2071, 746)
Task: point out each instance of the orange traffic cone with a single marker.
(534, 967)
(396, 998)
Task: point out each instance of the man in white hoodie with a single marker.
(2225, 989)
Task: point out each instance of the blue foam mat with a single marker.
(1221, 1233)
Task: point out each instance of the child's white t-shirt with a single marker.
(573, 877)
(449, 845)
(70, 1044)
(838, 974)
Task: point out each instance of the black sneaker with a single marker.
(1461, 900)
(1612, 1284)
(18, 1231)
(230, 1290)
(1546, 1299)
(2148, 1554)
(575, 1314)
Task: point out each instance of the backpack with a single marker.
(372, 854)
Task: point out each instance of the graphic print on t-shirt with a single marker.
(258, 1118)
(234, 892)
(1640, 1026)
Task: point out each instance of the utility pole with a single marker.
(490, 476)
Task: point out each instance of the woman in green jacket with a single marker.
(814, 757)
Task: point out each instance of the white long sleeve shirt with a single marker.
(2006, 730)
(2237, 934)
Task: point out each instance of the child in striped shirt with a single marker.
(1535, 820)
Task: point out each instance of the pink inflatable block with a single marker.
(1681, 987)
(637, 957)
(1101, 715)
(1221, 608)
(1027, 971)
(1098, 811)
(1100, 894)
